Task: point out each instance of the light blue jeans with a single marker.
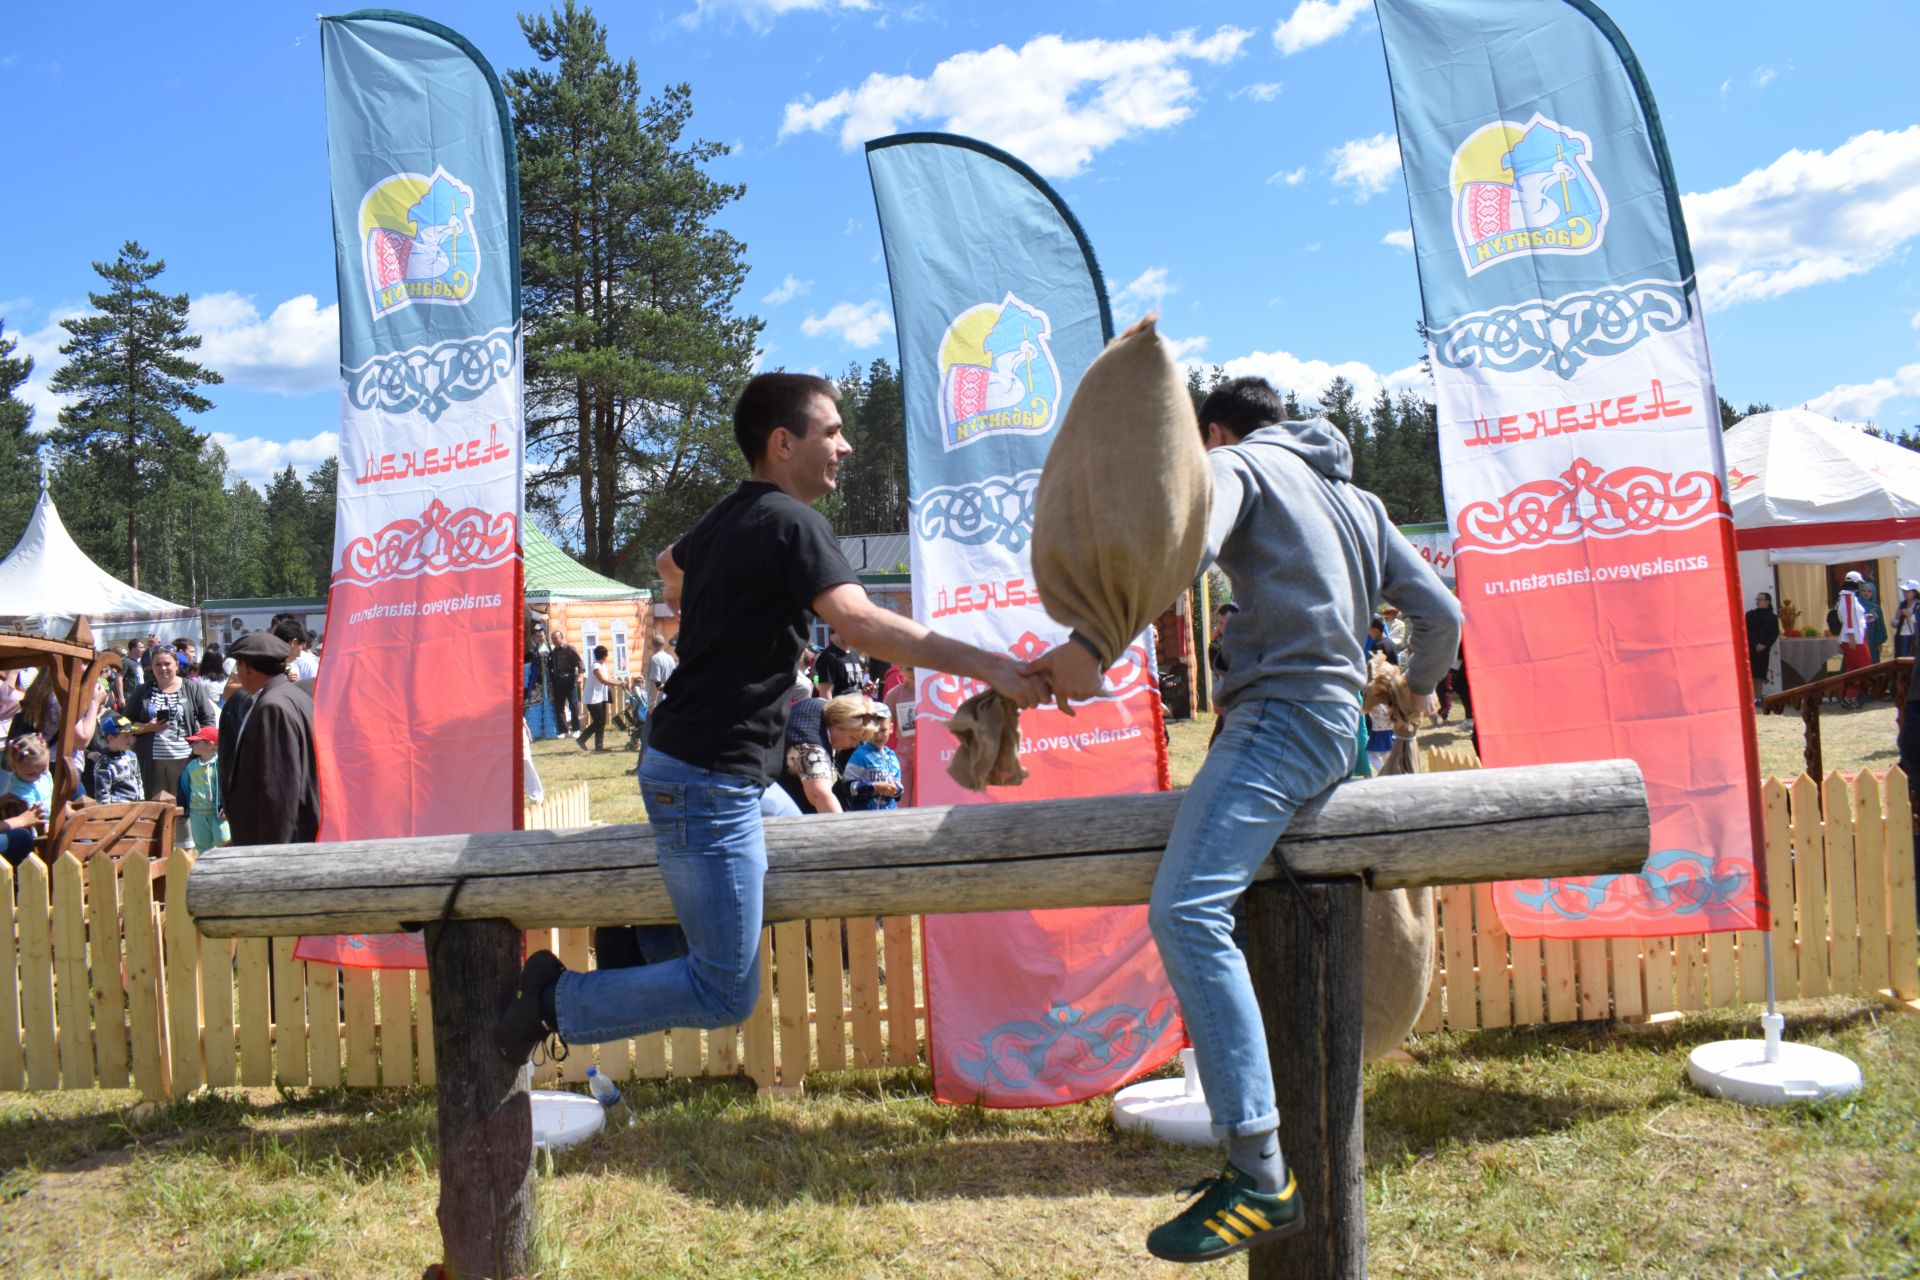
(713, 857)
(1271, 758)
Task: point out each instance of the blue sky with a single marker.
(1235, 169)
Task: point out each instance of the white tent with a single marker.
(1807, 490)
(47, 581)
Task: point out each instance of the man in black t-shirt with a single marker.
(564, 669)
(839, 666)
(745, 579)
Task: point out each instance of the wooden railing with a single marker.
(1872, 682)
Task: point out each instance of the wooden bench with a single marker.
(477, 893)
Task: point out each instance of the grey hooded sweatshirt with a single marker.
(1309, 555)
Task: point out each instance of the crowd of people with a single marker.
(1858, 620)
(227, 736)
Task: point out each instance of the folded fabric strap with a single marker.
(986, 730)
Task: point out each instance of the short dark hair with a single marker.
(292, 632)
(1242, 406)
(772, 400)
(599, 653)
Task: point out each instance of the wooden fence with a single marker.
(1840, 878)
(115, 987)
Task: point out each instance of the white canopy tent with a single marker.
(1808, 490)
(47, 581)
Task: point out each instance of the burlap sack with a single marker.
(1119, 522)
(1120, 517)
(1396, 933)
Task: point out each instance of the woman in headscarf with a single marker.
(1876, 623)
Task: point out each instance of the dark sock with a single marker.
(1258, 1156)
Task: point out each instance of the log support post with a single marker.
(1305, 958)
(486, 1116)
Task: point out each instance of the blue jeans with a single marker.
(1271, 758)
(713, 857)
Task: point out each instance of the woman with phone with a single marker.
(171, 710)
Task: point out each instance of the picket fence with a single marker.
(1840, 880)
(116, 988)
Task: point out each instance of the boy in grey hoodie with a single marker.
(1309, 555)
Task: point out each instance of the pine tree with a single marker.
(286, 569)
(129, 371)
(323, 484)
(633, 351)
(1341, 406)
(19, 451)
(247, 519)
(872, 497)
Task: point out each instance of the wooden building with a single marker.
(568, 599)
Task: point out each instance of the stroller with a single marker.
(632, 717)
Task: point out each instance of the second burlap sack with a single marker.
(1396, 933)
(1120, 518)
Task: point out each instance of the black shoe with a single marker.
(522, 1024)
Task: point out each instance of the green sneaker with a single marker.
(1229, 1216)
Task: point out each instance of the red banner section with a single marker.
(1122, 1022)
(1567, 672)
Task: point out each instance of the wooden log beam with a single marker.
(1420, 829)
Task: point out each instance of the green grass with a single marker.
(1555, 1152)
(1552, 1152)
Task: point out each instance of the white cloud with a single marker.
(760, 14)
(1185, 349)
(1292, 177)
(1146, 291)
(1808, 218)
(1401, 239)
(856, 324)
(1368, 165)
(1266, 91)
(293, 351)
(1915, 322)
(1763, 76)
(1316, 22)
(1861, 401)
(257, 461)
(787, 290)
(1308, 378)
(1053, 102)
(43, 344)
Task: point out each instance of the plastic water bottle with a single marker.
(603, 1090)
(607, 1094)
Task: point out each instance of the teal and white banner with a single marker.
(417, 705)
(1000, 309)
(1580, 448)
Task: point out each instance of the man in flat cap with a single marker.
(272, 791)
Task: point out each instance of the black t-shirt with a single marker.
(565, 665)
(840, 669)
(753, 566)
